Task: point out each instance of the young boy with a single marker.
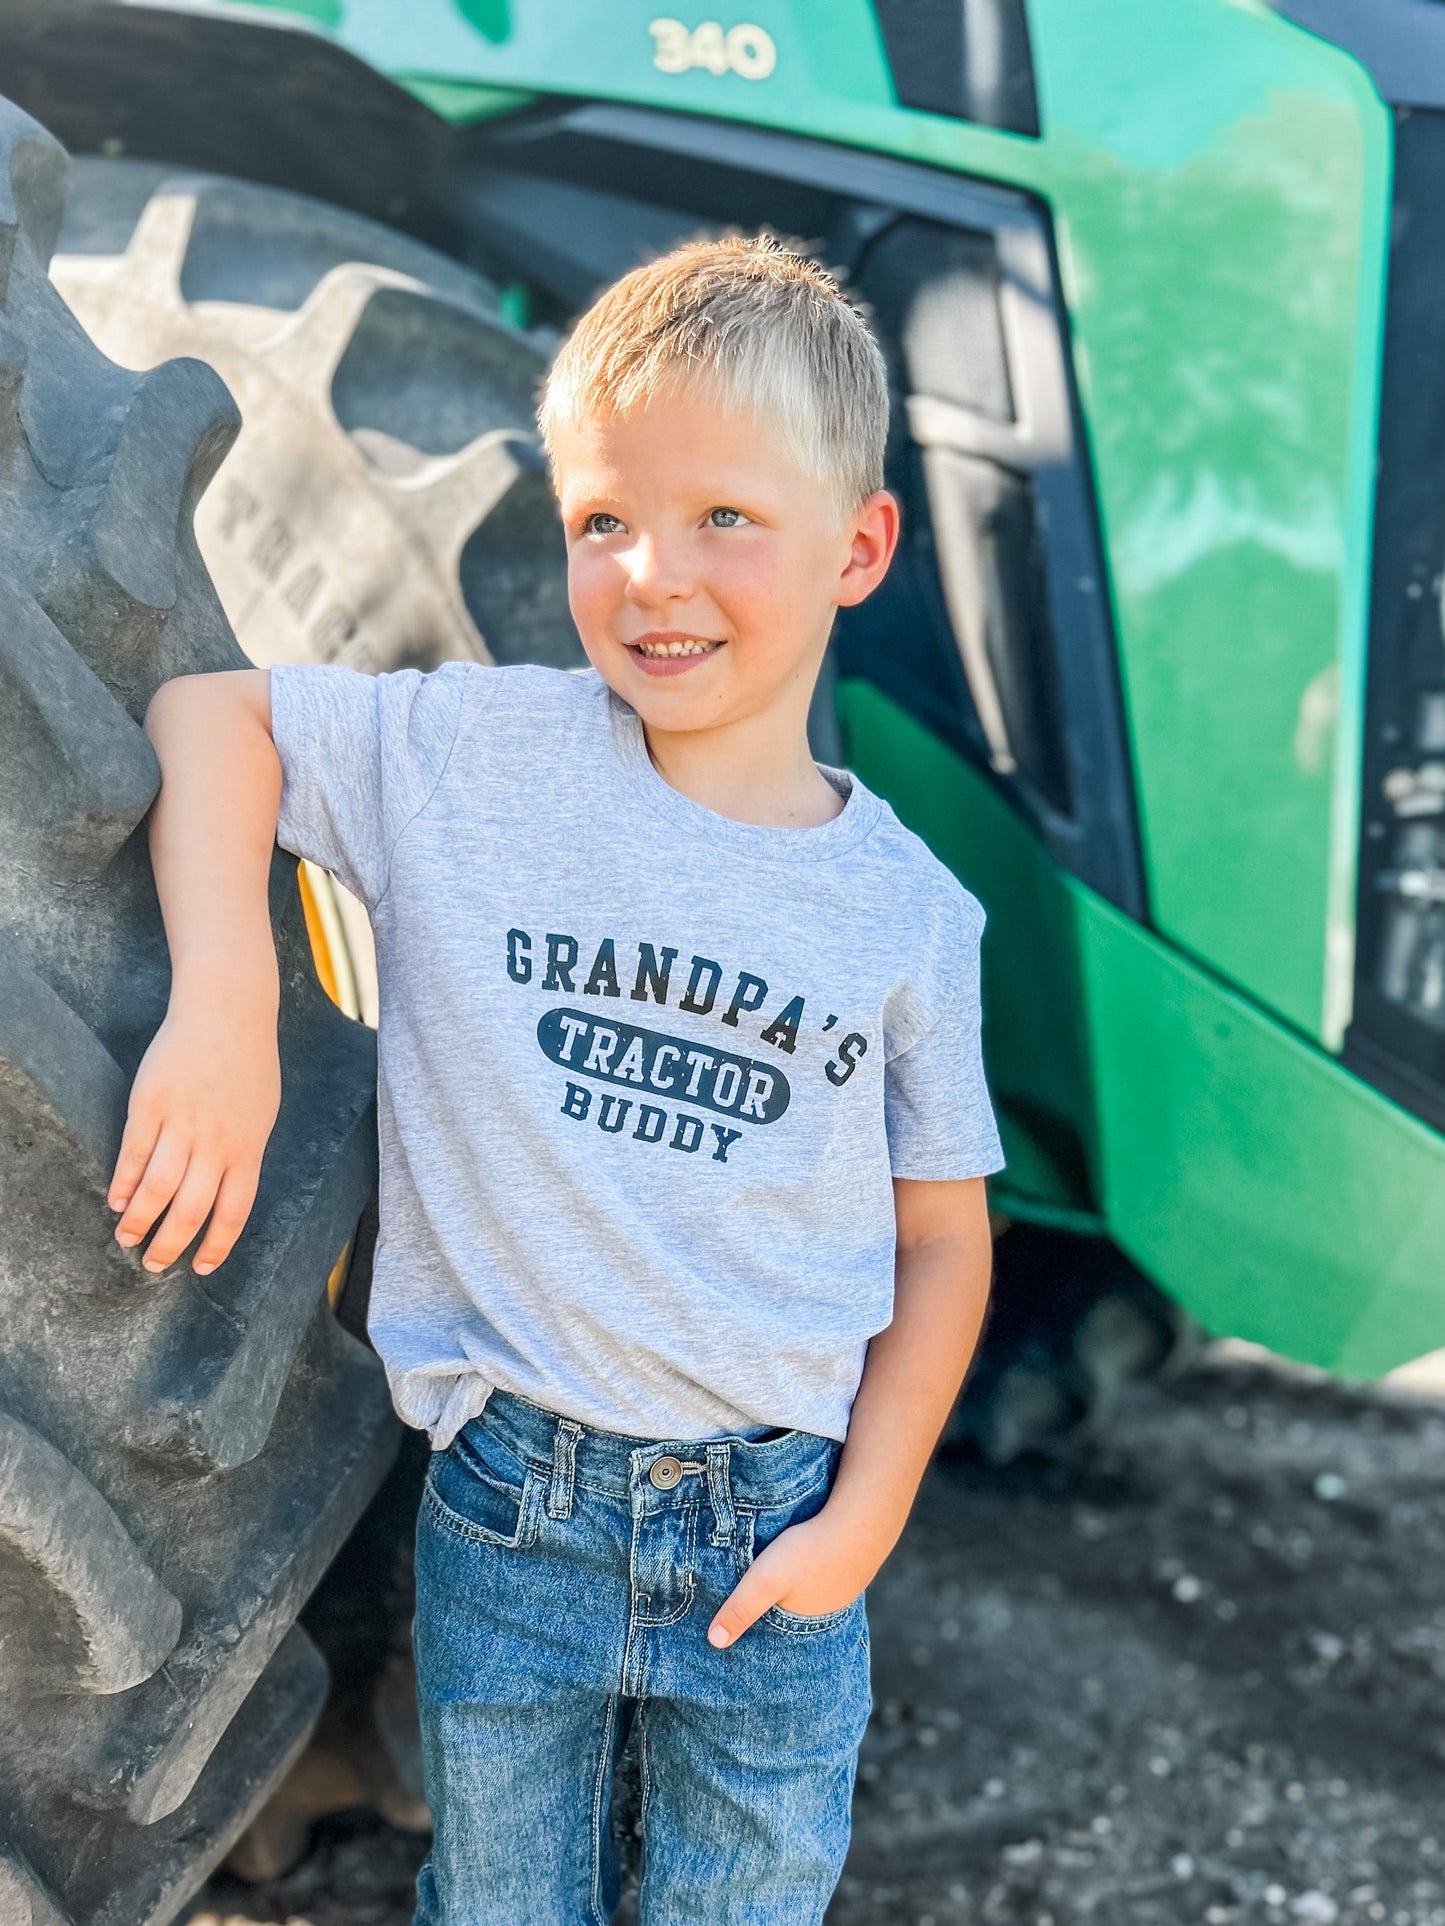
(683, 1124)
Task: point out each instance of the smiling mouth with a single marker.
(687, 645)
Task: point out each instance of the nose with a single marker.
(657, 572)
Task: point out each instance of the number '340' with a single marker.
(745, 50)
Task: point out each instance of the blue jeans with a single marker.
(565, 1581)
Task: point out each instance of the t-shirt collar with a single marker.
(853, 822)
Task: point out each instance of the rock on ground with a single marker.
(1191, 1671)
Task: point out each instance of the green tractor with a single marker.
(1159, 671)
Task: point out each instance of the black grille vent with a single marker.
(969, 59)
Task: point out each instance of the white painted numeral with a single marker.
(709, 48)
(751, 53)
(745, 50)
(673, 53)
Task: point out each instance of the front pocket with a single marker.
(467, 1501)
(806, 1624)
(758, 1527)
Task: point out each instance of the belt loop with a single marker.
(719, 1486)
(564, 1457)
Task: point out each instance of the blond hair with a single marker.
(768, 330)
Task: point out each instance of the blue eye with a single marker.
(601, 525)
(726, 518)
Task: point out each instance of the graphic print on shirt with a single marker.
(596, 1049)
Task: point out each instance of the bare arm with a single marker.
(207, 1091)
(910, 1380)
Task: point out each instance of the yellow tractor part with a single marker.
(332, 956)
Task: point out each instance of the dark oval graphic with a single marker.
(646, 1060)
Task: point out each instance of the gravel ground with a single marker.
(1191, 1671)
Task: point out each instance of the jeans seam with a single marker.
(805, 1624)
(785, 1500)
(562, 1472)
(775, 1501)
(484, 1475)
(690, 1588)
(657, 1624)
(617, 1491)
(724, 1512)
(464, 1528)
(603, 1754)
(468, 1454)
(644, 1768)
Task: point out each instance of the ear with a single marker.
(874, 537)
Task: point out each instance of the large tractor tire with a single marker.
(385, 504)
(179, 1459)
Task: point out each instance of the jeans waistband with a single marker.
(758, 1472)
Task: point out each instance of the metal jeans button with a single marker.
(665, 1473)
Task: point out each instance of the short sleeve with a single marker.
(361, 756)
(939, 1118)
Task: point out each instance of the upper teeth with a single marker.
(690, 647)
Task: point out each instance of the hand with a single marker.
(202, 1106)
(813, 1568)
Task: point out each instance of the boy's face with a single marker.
(704, 565)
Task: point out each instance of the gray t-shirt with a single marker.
(645, 1072)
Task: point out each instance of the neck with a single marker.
(756, 769)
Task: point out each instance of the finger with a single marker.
(194, 1197)
(754, 1592)
(158, 1185)
(136, 1145)
(228, 1219)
